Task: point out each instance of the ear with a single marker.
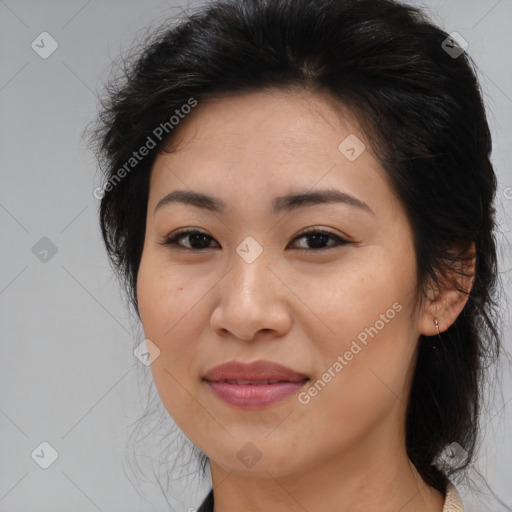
(446, 303)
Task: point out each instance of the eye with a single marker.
(198, 241)
(319, 237)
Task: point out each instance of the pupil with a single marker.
(318, 238)
(196, 237)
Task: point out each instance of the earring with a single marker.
(434, 340)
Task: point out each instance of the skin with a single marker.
(295, 305)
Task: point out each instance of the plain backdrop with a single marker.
(69, 377)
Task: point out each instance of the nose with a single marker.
(252, 301)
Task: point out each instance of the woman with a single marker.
(299, 198)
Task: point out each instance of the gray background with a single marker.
(69, 376)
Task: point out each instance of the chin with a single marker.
(257, 460)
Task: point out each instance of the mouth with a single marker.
(255, 385)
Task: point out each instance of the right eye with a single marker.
(195, 238)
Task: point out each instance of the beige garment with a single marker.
(452, 502)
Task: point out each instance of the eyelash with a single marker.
(172, 241)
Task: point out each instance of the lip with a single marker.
(255, 371)
(252, 391)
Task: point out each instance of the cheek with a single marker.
(363, 373)
(172, 318)
(363, 336)
(350, 296)
(165, 297)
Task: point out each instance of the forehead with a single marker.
(292, 121)
(265, 144)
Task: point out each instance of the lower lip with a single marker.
(252, 396)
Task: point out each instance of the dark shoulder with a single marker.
(207, 504)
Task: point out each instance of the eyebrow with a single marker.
(281, 203)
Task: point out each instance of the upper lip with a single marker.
(254, 372)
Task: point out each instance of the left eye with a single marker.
(318, 237)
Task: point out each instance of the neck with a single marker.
(363, 480)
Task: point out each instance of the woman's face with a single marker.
(253, 288)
